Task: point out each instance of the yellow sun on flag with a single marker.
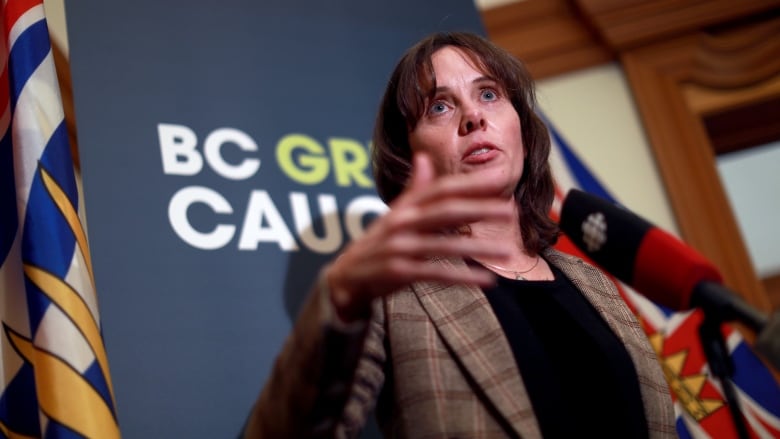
(686, 388)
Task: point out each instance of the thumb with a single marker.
(422, 171)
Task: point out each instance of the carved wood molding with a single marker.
(659, 74)
(559, 36)
(739, 58)
(625, 24)
(549, 36)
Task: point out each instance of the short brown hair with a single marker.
(413, 81)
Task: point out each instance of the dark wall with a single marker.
(222, 147)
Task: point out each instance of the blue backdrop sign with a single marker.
(224, 150)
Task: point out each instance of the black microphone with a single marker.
(655, 263)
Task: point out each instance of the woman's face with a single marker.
(470, 124)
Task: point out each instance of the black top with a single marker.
(578, 375)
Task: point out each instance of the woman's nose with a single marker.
(473, 119)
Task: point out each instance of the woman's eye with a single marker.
(437, 107)
(489, 95)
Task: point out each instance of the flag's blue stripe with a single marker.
(9, 222)
(29, 50)
(55, 430)
(667, 312)
(753, 378)
(37, 304)
(48, 241)
(585, 179)
(57, 160)
(94, 376)
(682, 429)
(19, 405)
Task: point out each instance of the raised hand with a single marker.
(393, 250)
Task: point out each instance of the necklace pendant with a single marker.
(518, 274)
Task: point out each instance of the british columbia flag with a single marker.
(700, 404)
(54, 378)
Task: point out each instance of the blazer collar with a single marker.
(466, 322)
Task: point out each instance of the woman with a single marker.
(412, 316)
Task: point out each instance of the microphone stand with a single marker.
(721, 305)
(721, 365)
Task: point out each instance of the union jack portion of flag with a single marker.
(54, 377)
(700, 404)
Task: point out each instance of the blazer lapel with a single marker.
(596, 290)
(466, 322)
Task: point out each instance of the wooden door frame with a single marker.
(661, 77)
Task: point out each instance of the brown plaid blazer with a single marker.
(438, 363)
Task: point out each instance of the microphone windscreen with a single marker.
(606, 233)
(667, 271)
(654, 262)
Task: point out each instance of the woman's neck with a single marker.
(503, 231)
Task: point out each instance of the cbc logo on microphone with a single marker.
(594, 231)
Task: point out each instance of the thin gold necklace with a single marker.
(518, 274)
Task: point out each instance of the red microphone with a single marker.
(670, 270)
(654, 262)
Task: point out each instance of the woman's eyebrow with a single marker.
(478, 80)
(484, 79)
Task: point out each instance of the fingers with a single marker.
(379, 264)
(374, 279)
(361, 282)
(400, 272)
(422, 171)
(430, 202)
(421, 247)
(434, 272)
(395, 249)
(426, 188)
(446, 214)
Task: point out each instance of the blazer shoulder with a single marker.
(576, 267)
(562, 259)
